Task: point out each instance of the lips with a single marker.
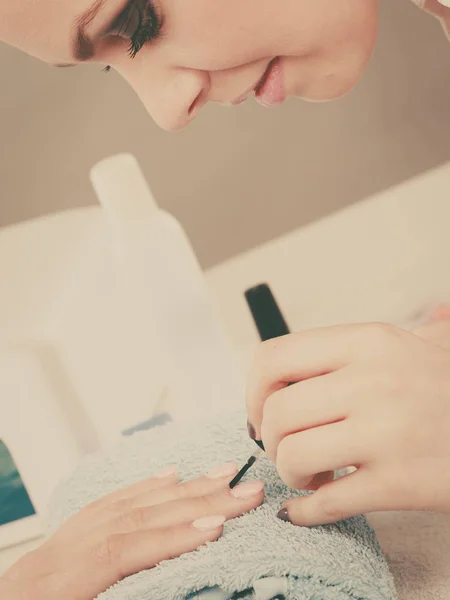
(265, 75)
(269, 89)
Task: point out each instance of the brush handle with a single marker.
(266, 313)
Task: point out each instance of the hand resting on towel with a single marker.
(128, 531)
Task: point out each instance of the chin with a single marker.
(328, 88)
(326, 93)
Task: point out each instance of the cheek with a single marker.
(220, 34)
(340, 57)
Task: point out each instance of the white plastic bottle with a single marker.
(158, 259)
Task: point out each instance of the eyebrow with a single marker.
(83, 45)
(83, 48)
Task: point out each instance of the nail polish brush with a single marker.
(270, 324)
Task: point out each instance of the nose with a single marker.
(177, 99)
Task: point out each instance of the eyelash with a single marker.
(149, 28)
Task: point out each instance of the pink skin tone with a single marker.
(130, 530)
(369, 396)
(384, 384)
(439, 9)
(212, 51)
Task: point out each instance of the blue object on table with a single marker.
(15, 502)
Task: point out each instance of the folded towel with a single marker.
(257, 553)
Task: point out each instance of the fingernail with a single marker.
(283, 515)
(166, 472)
(225, 470)
(209, 523)
(243, 491)
(445, 3)
(252, 435)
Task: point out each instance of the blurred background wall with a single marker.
(236, 177)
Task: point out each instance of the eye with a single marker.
(127, 23)
(139, 23)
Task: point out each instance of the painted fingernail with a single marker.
(225, 470)
(246, 490)
(283, 515)
(209, 523)
(166, 472)
(252, 435)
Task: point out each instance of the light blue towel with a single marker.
(257, 550)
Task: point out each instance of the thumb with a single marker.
(346, 497)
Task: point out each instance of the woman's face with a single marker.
(190, 52)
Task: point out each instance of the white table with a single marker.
(383, 259)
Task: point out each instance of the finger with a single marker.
(302, 455)
(230, 503)
(293, 358)
(122, 555)
(349, 496)
(217, 479)
(319, 480)
(310, 403)
(301, 356)
(100, 510)
(165, 477)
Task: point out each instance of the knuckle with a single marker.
(121, 505)
(267, 347)
(271, 408)
(328, 508)
(184, 492)
(288, 474)
(208, 502)
(263, 353)
(101, 504)
(394, 384)
(382, 333)
(376, 339)
(110, 551)
(259, 359)
(133, 519)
